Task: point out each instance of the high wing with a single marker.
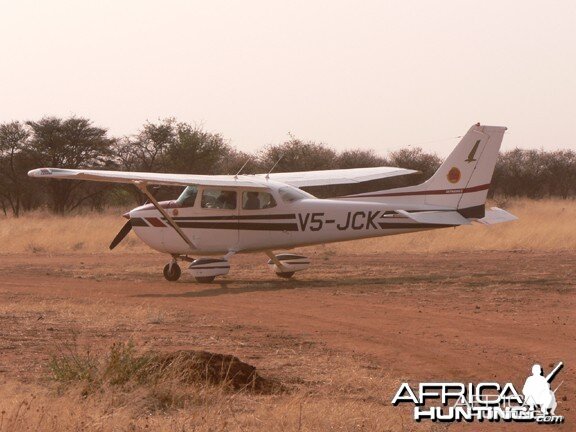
(297, 179)
(338, 176)
(151, 178)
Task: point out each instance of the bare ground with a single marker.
(346, 332)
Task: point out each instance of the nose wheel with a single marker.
(172, 271)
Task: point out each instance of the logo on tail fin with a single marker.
(454, 175)
(472, 153)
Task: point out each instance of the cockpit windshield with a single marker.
(291, 194)
(188, 196)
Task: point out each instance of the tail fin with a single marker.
(462, 181)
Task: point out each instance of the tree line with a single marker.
(170, 146)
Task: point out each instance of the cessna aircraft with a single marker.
(219, 216)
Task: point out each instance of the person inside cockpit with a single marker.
(252, 201)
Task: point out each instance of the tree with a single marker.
(176, 147)
(145, 150)
(360, 159)
(14, 164)
(520, 173)
(561, 172)
(195, 151)
(70, 143)
(415, 158)
(298, 155)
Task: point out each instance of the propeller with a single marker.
(121, 234)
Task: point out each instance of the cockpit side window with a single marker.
(188, 196)
(218, 199)
(252, 200)
(291, 194)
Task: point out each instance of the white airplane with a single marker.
(219, 216)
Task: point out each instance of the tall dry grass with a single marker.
(43, 232)
(166, 404)
(546, 225)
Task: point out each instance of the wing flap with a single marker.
(338, 176)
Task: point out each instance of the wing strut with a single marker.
(274, 259)
(143, 187)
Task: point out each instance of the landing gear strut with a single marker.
(172, 271)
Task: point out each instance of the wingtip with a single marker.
(37, 172)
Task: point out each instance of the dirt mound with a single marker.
(217, 369)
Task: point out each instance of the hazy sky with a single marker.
(369, 74)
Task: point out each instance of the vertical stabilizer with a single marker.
(461, 182)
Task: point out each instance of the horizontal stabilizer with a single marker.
(436, 217)
(495, 216)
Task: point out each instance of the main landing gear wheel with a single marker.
(285, 275)
(204, 279)
(172, 272)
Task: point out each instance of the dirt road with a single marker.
(464, 317)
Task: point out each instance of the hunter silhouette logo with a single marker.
(537, 392)
(491, 401)
(472, 153)
(454, 175)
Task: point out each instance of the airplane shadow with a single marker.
(270, 285)
(234, 287)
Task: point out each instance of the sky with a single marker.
(364, 74)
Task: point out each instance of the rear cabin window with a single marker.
(291, 194)
(188, 196)
(218, 199)
(257, 200)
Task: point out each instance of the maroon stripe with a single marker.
(155, 222)
(427, 192)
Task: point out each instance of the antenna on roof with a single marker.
(240, 170)
(274, 166)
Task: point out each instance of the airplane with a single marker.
(219, 216)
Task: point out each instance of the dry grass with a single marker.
(42, 412)
(42, 232)
(547, 225)
(169, 405)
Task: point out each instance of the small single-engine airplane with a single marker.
(218, 216)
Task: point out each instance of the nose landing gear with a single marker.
(204, 270)
(172, 271)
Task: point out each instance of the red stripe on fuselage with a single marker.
(155, 222)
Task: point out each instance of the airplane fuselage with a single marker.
(287, 225)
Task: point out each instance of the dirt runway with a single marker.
(463, 317)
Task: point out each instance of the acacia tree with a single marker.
(358, 158)
(70, 143)
(561, 172)
(145, 150)
(195, 151)
(175, 147)
(298, 155)
(14, 163)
